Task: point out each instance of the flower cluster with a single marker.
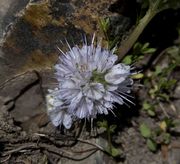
(89, 83)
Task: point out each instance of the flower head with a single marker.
(89, 83)
(57, 114)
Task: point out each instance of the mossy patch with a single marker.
(39, 61)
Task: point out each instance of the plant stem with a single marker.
(109, 139)
(129, 42)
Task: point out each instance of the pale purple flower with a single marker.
(56, 111)
(90, 82)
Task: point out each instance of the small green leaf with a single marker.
(146, 105)
(169, 122)
(164, 96)
(146, 45)
(158, 70)
(166, 138)
(152, 145)
(149, 108)
(137, 76)
(169, 4)
(104, 24)
(115, 152)
(137, 46)
(145, 131)
(112, 128)
(151, 113)
(149, 50)
(103, 124)
(128, 59)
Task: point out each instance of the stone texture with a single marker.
(30, 43)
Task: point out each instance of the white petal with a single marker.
(118, 99)
(110, 62)
(75, 102)
(108, 97)
(60, 116)
(85, 108)
(90, 106)
(108, 105)
(62, 70)
(112, 87)
(94, 91)
(82, 110)
(68, 84)
(101, 109)
(67, 121)
(113, 79)
(49, 99)
(68, 94)
(117, 74)
(56, 117)
(52, 101)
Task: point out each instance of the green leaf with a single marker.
(158, 70)
(146, 105)
(146, 45)
(115, 152)
(145, 131)
(169, 4)
(174, 52)
(163, 96)
(137, 76)
(169, 122)
(149, 50)
(103, 124)
(166, 138)
(127, 59)
(137, 46)
(152, 145)
(149, 108)
(151, 113)
(104, 24)
(112, 128)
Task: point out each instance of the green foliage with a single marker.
(169, 123)
(166, 138)
(157, 5)
(160, 5)
(144, 4)
(158, 70)
(174, 53)
(103, 124)
(104, 26)
(137, 76)
(128, 59)
(168, 4)
(157, 136)
(138, 53)
(152, 145)
(162, 85)
(159, 81)
(110, 129)
(149, 108)
(115, 152)
(145, 131)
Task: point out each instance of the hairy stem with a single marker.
(129, 42)
(109, 140)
